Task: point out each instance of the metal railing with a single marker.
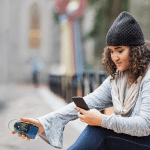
(67, 87)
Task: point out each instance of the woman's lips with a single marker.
(118, 63)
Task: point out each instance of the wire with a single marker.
(10, 122)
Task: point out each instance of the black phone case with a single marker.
(79, 101)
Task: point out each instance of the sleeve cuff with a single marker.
(108, 121)
(53, 131)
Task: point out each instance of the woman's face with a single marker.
(120, 56)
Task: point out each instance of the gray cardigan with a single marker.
(137, 124)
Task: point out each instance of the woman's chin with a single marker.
(122, 69)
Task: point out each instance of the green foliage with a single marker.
(125, 5)
(92, 2)
(102, 21)
(88, 68)
(97, 24)
(55, 17)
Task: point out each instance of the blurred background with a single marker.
(31, 28)
(54, 47)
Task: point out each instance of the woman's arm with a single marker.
(54, 123)
(101, 97)
(136, 125)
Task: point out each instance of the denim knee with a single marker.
(92, 138)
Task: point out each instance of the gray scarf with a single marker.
(121, 106)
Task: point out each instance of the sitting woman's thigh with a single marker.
(92, 138)
(98, 138)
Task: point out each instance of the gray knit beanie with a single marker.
(125, 31)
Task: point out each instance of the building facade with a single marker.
(27, 29)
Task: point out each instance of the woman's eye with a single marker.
(120, 51)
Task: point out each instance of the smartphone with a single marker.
(27, 129)
(79, 101)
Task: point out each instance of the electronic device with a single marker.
(79, 101)
(27, 129)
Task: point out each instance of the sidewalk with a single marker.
(23, 100)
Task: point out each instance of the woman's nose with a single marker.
(115, 57)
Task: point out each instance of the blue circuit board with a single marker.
(27, 129)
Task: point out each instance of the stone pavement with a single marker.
(23, 100)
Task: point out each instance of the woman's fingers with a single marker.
(23, 119)
(30, 120)
(80, 115)
(35, 122)
(82, 111)
(13, 132)
(23, 136)
(19, 135)
(28, 139)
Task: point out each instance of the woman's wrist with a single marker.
(100, 120)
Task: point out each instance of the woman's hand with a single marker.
(92, 117)
(33, 121)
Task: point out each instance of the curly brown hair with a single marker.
(139, 58)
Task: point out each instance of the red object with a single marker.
(60, 6)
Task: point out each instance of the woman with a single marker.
(127, 89)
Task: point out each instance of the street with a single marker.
(23, 100)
